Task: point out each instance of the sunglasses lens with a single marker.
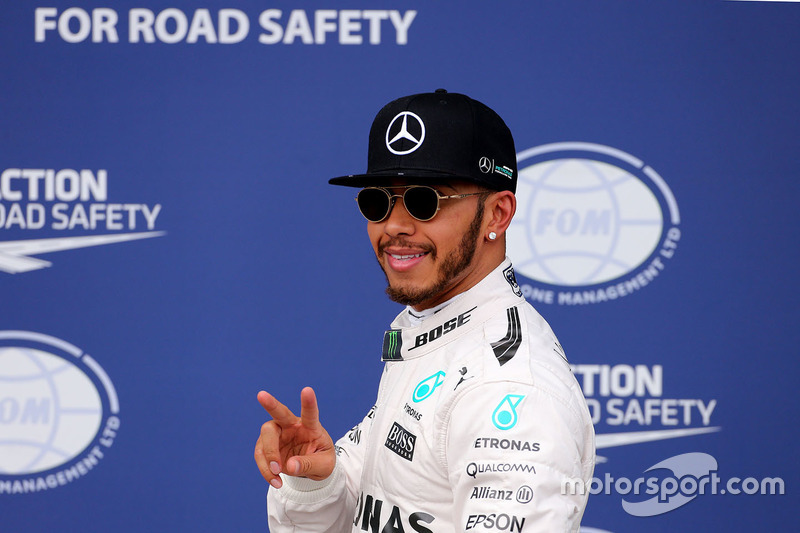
(373, 204)
(422, 203)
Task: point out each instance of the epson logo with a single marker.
(444, 329)
(495, 522)
(506, 444)
(401, 441)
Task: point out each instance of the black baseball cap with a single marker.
(437, 137)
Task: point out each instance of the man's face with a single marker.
(427, 263)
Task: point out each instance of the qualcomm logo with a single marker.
(58, 412)
(593, 223)
(33, 200)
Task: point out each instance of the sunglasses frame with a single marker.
(392, 200)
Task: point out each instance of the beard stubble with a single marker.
(452, 265)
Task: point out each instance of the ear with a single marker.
(500, 209)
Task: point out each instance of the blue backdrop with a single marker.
(169, 245)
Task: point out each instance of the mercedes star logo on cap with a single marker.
(404, 133)
(485, 164)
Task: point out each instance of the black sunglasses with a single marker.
(421, 201)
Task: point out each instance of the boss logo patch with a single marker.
(401, 441)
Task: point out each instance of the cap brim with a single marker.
(417, 177)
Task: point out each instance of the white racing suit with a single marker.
(478, 426)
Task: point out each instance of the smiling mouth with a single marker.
(402, 261)
(406, 257)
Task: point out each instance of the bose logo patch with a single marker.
(444, 329)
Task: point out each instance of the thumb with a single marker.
(316, 467)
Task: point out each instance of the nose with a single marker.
(399, 222)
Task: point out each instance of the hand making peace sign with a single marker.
(293, 446)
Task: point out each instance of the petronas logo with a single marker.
(426, 387)
(505, 414)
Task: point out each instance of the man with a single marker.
(479, 422)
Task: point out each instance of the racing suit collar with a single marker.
(413, 336)
(415, 317)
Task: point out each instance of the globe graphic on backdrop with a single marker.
(50, 411)
(582, 222)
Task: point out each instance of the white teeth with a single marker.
(404, 257)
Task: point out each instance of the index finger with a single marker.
(279, 412)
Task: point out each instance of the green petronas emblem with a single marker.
(426, 387)
(505, 414)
